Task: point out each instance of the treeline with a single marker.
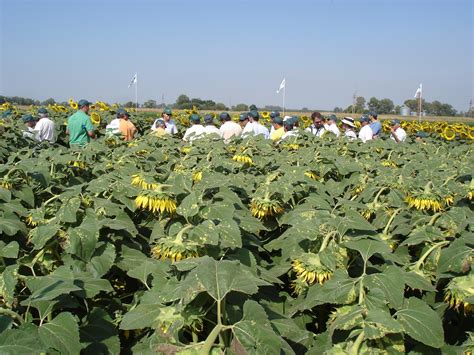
(386, 106)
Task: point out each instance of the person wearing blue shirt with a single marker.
(375, 125)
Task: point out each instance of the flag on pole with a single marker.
(418, 92)
(133, 81)
(282, 86)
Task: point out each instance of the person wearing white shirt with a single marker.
(273, 114)
(254, 128)
(196, 130)
(247, 126)
(209, 127)
(332, 126)
(44, 128)
(397, 133)
(30, 123)
(365, 133)
(317, 128)
(289, 127)
(349, 126)
(170, 124)
(229, 128)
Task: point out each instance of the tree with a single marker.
(49, 101)
(221, 107)
(240, 107)
(129, 104)
(437, 108)
(412, 104)
(337, 110)
(385, 106)
(182, 100)
(150, 104)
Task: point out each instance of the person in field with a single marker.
(126, 128)
(397, 133)
(229, 128)
(196, 130)
(273, 114)
(244, 121)
(317, 127)
(45, 128)
(375, 125)
(254, 127)
(170, 124)
(365, 133)
(279, 131)
(30, 123)
(79, 125)
(331, 125)
(209, 127)
(349, 128)
(160, 130)
(290, 129)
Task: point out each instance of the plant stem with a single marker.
(326, 240)
(357, 343)
(392, 217)
(428, 252)
(12, 314)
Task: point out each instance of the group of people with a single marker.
(281, 127)
(80, 128)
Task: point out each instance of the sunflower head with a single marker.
(243, 158)
(197, 176)
(458, 290)
(309, 268)
(312, 175)
(95, 118)
(175, 249)
(265, 207)
(155, 201)
(425, 201)
(449, 133)
(144, 183)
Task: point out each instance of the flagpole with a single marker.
(419, 104)
(136, 91)
(284, 92)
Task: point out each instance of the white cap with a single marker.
(348, 121)
(286, 118)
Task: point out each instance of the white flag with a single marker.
(282, 86)
(418, 92)
(133, 81)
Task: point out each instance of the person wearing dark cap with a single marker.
(160, 130)
(331, 126)
(45, 129)
(170, 124)
(365, 133)
(349, 128)
(126, 127)
(243, 120)
(196, 129)
(317, 128)
(79, 125)
(279, 130)
(209, 127)
(290, 128)
(375, 125)
(397, 133)
(229, 128)
(253, 127)
(30, 123)
(272, 116)
(421, 136)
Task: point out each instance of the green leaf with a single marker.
(102, 261)
(11, 224)
(61, 334)
(9, 250)
(142, 316)
(421, 322)
(390, 282)
(8, 282)
(149, 267)
(380, 323)
(67, 211)
(22, 341)
(5, 194)
(368, 247)
(99, 334)
(189, 206)
(455, 257)
(40, 235)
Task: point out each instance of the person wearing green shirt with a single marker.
(79, 125)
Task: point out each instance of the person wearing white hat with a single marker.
(331, 126)
(349, 126)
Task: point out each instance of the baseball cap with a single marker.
(83, 102)
(364, 119)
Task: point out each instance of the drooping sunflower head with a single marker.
(458, 290)
(6, 183)
(175, 249)
(197, 176)
(389, 163)
(312, 175)
(425, 201)
(243, 158)
(309, 268)
(154, 201)
(78, 164)
(143, 182)
(265, 207)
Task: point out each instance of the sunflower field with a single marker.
(313, 245)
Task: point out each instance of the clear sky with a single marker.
(238, 51)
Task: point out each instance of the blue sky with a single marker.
(238, 51)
